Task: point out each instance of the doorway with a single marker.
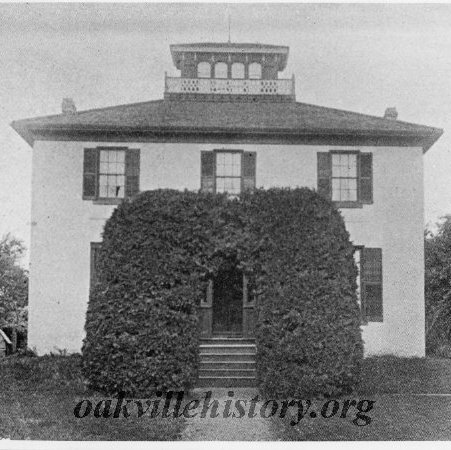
(228, 302)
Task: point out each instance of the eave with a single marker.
(32, 133)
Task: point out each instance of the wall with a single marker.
(63, 225)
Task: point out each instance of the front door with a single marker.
(228, 302)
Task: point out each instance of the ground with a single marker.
(38, 397)
(412, 401)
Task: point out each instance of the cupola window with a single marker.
(203, 70)
(255, 71)
(238, 71)
(221, 70)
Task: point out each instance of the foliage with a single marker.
(308, 335)
(13, 286)
(142, 324)
(437, 248)
(160, 249)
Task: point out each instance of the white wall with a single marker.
(63, 225)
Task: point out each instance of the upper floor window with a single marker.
(228, 172)
(221, 70)
(110, 173)
(255, 71)
(346, 177)
(238, 70)
(203, 70)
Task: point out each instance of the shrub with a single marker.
(437, 249)
(142, 327)
(159, 250)
(308, 333)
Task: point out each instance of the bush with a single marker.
(159, 250)
(437, 249)
(308, 334)
(142, 328)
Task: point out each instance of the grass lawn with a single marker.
(38, 397)
(397, 414)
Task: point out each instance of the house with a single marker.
(227, 124)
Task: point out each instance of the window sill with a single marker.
(348, 204)
(108, 201)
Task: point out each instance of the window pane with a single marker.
(203, 70)
(120, 157)
(336, 190)
(104, 155)
(255, 71)
(220, 187)
(221, 70)
(238, 70)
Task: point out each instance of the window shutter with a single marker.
(132, 157)
(324, 160)
(248, 169)
(366, 178)
(95, 252)
(207, 171)
(372, 284)
(90, 173)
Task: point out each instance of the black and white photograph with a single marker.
(225, 222)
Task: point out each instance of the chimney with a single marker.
(391, 113)
(68, 106)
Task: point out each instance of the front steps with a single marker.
(227, 362)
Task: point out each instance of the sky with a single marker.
(358, 57)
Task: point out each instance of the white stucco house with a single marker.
(228, 123)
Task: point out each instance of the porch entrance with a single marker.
(228, 302)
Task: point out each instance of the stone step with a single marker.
(227, 341)
(229, 348)
(231, 373)
(232, 365)
(226, 382)
(231, 357)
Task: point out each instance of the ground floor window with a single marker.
(369, 283)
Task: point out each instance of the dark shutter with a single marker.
(324, 160)
(95, 252)
(90, 173)
(366, 178)
(372, 284)
(248, 170)
(131, 172)
(207, 171)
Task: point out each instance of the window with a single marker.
(344, 177)
(112, 174)
(369, 283)
(238, 71)
(255, 71)
(203, 70)
(221, 70)
(228, 172)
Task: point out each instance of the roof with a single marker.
(231, 47)
(168, 118)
